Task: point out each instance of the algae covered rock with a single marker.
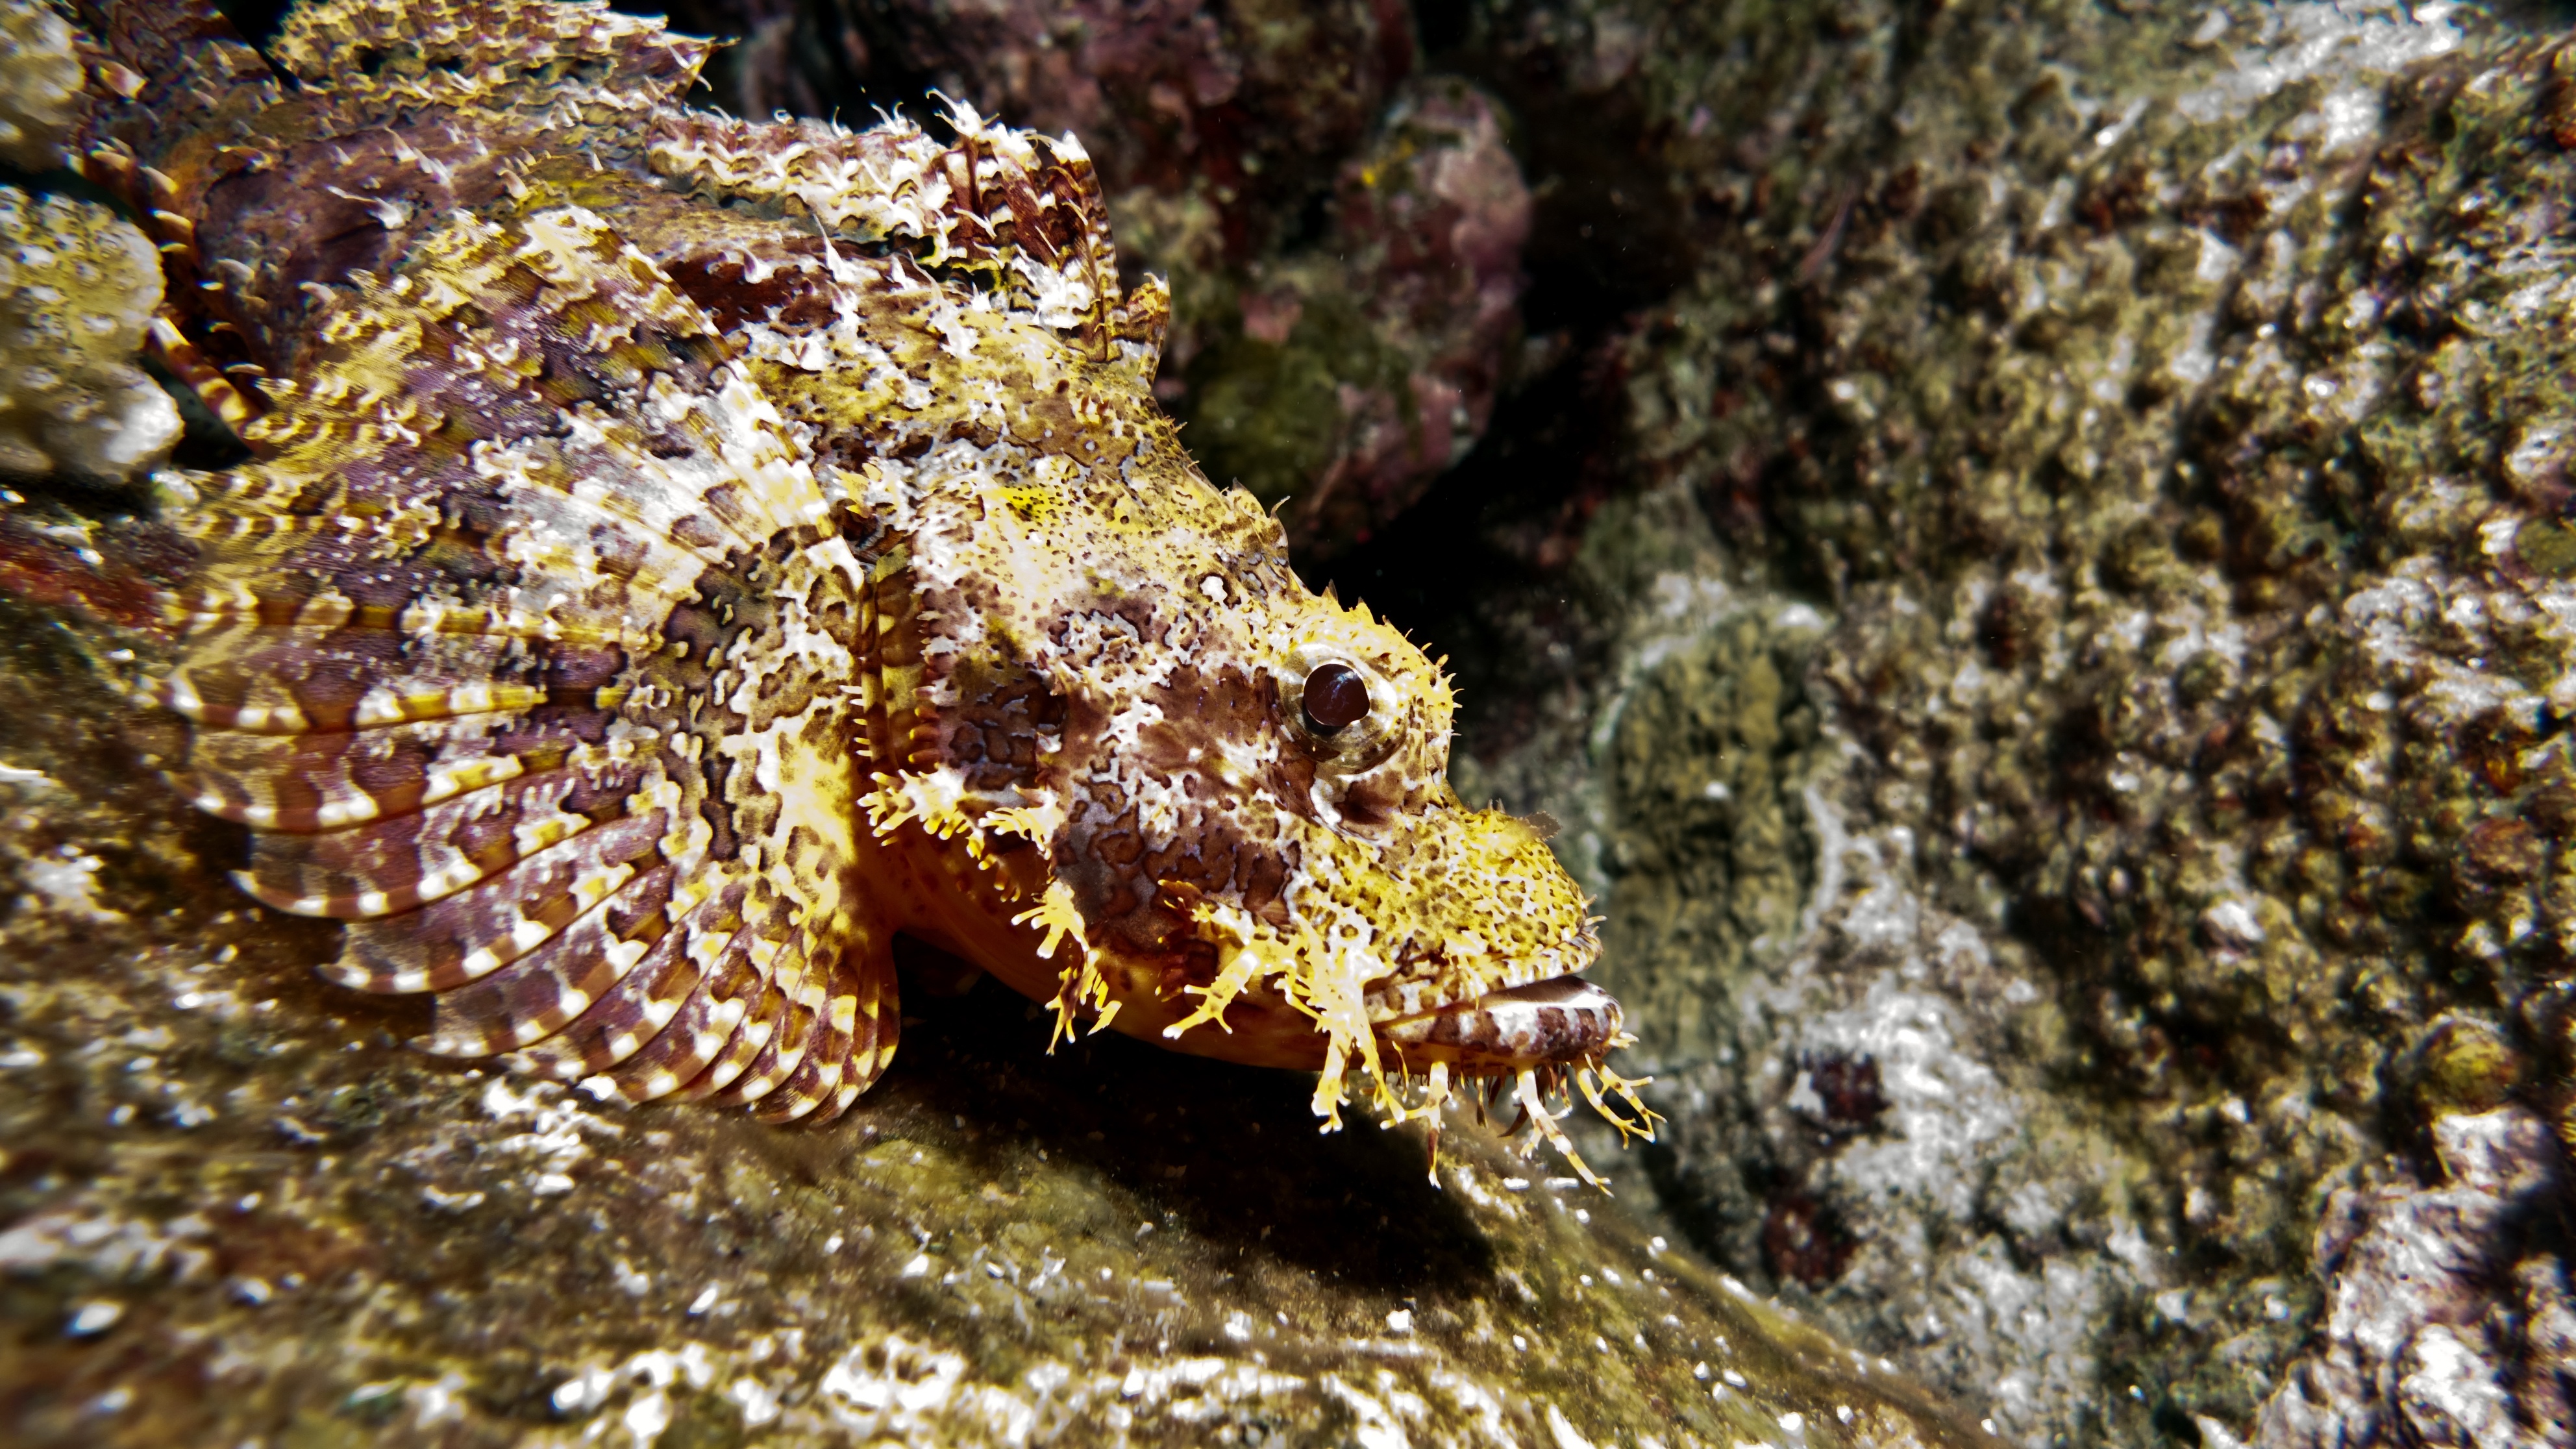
(1701, 762)
(78, 285)
(1357, 370)
(2163, 413)
(2422, 1303)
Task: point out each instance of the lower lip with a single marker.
(1563, 1020)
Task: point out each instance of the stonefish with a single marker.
(680, 555)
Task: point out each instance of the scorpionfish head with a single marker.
(1239, 789)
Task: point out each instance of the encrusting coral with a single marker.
(78, 287)
(40, 84)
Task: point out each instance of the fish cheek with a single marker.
(1292, 783)
(1191, 962)
(1202, 710)
(1139, 896)
(1205, 862)
(1264, 879)
(1138, 893)
(1100, 868)
(991, 733)
(1369, 803)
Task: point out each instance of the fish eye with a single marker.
(1334, 697)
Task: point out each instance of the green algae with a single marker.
(1711, 857)
(1268, 415)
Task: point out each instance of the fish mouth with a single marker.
(1562, 1021)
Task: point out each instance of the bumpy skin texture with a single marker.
(685, 555)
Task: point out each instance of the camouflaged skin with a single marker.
(683, 554)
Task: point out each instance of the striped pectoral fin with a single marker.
(873, 1024)
(306, 783)
(468, 936)
(620, 1021)
(816, 1079)
(750, 1003)
(560, 982)
(852, 1036)
(259, 678)
(673, 1032)
(791, 1005)
(816, 1030)
(685, 1048)
(387, 867)
(703, 1037)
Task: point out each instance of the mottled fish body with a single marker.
(681, 555)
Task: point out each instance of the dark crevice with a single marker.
(255, 21)
(1252, 1174)
(1477, 568)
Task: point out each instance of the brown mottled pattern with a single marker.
(684, 553)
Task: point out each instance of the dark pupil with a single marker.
(1335, 696)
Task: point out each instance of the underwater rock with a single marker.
(2414, 1321)
(78, 285)
(2161, 418)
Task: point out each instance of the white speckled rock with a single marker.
(2418, 1339)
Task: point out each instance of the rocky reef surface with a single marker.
(2063, 682)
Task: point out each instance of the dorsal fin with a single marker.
(486, 46)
